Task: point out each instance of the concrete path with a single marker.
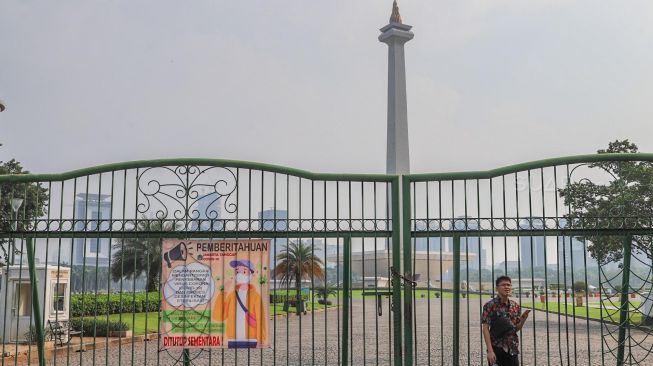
(313, 339)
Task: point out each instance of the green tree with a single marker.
(35, 198)
(625, 199)
(579, 286)
(295, 263)
(35, 201)
(133, 257)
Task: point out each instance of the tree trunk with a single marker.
(647, 305)
(152, 280)
(298, 296)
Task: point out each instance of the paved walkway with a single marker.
(313, 339)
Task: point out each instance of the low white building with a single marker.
(16, 308)
(376, 264)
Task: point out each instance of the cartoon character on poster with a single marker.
(240, 308)
(215, 294)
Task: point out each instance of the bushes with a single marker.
(31, 335)
(97, 327)
(111, 303)
(280, 296)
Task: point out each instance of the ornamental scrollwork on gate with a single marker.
(187, 192)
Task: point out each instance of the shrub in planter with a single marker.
(32, 337)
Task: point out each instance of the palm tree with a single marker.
(326, 290)
(297, 262)
(133, 257)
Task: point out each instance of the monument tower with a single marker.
(395, 35)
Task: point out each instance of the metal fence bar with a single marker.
(396, 282)
(624, 315)
(456, 301)
(36, 306)
(407, 271)
(346, 289)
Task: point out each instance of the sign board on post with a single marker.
(215, 293)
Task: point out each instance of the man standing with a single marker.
(242, 309)
(501, 321)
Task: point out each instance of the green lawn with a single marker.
(609, 311)
(419, 294)
(136, 322)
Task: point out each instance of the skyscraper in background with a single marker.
(274, 220)
(572, 253)
(471, 244)
(532, 248)
(431, 244)
(90, 210)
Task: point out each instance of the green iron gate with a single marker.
(574, 234)
(377, 301)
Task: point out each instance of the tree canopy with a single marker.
(624, 200)
(297, 262)
(133, 257)
(35, 198)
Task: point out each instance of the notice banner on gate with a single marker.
(215, 293)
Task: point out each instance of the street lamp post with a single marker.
(15, 205)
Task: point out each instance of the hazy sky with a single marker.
(303, 83)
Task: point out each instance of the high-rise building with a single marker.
(90, 211)
(572, 253)
(274, 220)
(470, 246)
(532, 248)
(431, 244)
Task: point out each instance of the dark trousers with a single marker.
(505, 359)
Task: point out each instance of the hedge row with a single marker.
(281, 296)
(93, 304)
(140, 302)
(97, 328)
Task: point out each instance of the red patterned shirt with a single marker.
(494, 309)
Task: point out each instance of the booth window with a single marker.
(23, 299)
(59, 297)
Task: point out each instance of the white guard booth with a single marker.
(16, 309)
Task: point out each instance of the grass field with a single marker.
(609, 311)
(419, 294)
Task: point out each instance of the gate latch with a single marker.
(379, 295)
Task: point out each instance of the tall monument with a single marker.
(395, 35)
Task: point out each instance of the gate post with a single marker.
(456, 300)
(396, 263)
(346, 288)
(36, 307)
(624, 319)
(408, 271)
